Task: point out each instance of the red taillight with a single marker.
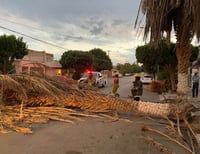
(88, 71)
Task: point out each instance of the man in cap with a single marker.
(137, 89)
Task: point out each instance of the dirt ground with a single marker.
(101, 135)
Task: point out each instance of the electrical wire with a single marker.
(2, 27)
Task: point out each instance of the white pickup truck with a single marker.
(100, 79)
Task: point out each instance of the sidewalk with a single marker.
(192, 100)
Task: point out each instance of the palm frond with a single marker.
(162, 15)
(6, 83)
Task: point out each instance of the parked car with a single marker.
(100, 80)
(127, 74)
(146, 79)
(120, 75)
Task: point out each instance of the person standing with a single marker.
(90, 80)
(137, 89)
(115, 85)
(195, 84)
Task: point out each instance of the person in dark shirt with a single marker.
(195, 84)
(137, 89)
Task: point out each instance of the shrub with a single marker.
(157, 86)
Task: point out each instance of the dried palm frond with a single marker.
(147, 128)
(162, 15)
(37, 84)
(42, 93)
(10, 117)
(159, 146)
(7, 83)
(46, 101)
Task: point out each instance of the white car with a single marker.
(99, 78)
(146, 79)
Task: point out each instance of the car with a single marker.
(146, 79)
(120, 75)
(100, 80)
(127, 74)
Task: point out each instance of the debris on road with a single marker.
(29, 99)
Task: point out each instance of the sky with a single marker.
(56, 26)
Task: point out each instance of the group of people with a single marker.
(136, 90)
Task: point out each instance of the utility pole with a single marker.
(108, 53)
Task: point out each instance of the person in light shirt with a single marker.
(115, 85)
(195, 84)
(90, 80)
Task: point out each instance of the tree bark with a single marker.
(183, 53)
(5, 62)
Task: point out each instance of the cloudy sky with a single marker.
(56, 26)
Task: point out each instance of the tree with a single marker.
(128, 68)
(164, 56)
(136, 68)
(148, 56)
(10, 49)
(77, 60)
(101, 60)
(181, 16)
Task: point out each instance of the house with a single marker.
(39, 61)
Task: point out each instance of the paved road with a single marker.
(92, 136)
(124, 90)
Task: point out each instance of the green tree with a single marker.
(101, 60)
(128, 68)
(179, 16)
(11, 48)
(136, 68)
(164, 56)
(77, 60)
(148, 56)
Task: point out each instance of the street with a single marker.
(125, 85)
(100, 135)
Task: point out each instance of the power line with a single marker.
(41, 30)
(32, 37)
(27, 26)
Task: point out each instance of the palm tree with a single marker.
(179, 16)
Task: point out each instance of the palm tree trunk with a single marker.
(5, 60)
(183, 53)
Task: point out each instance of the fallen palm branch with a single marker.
(11, 120)
(190, 141)
(191, 130)
(39, 91)
(159, 146)
(37, 99)
(146, 128)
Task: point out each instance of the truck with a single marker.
(100, 79)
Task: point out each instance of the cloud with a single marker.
(75, 24)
